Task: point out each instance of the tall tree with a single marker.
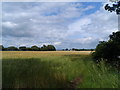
(51, 48)
(114, 7)
(109, 50)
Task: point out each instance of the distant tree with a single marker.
(83, 49)
(2, 48)
(12, 48)
(43, 48)
(48, 48)
(23, 48)
(73, 49)
(35, 48)
(91, 49)
(66, 49)
(28, 49)
(51, 48)
(63, 49)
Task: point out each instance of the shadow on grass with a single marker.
(76, 57)
(56, 72)
(30, 73)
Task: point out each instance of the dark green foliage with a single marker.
(75, 49)
(12, 48)
(28, 49)
(35, 48)
(109, 50)
(48, 48)
(115, 37)
(44, 48)
(115, 8)
(23, 48)
(1, 47)
(51, 48)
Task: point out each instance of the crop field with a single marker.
(55, 69)
(38, 54)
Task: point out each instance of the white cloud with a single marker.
(78, 25)
(97, 25)
(85, 40)
(89, 7)
(55, 0)
(63, 24)
(56, 43)
(9, 24)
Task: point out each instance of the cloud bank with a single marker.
(65, 25)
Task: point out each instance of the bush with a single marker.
(109, 50)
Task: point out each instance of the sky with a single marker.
(62, 24)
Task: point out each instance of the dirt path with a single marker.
(73, 84)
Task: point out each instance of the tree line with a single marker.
(24, 48)
(75, 49)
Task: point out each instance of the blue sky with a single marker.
(96, 6)
(65, 25)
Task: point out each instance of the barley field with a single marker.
(38, 54)
(55, 69)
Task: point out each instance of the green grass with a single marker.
(57, 72)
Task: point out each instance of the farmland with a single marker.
(38, 54)
(55, 69)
